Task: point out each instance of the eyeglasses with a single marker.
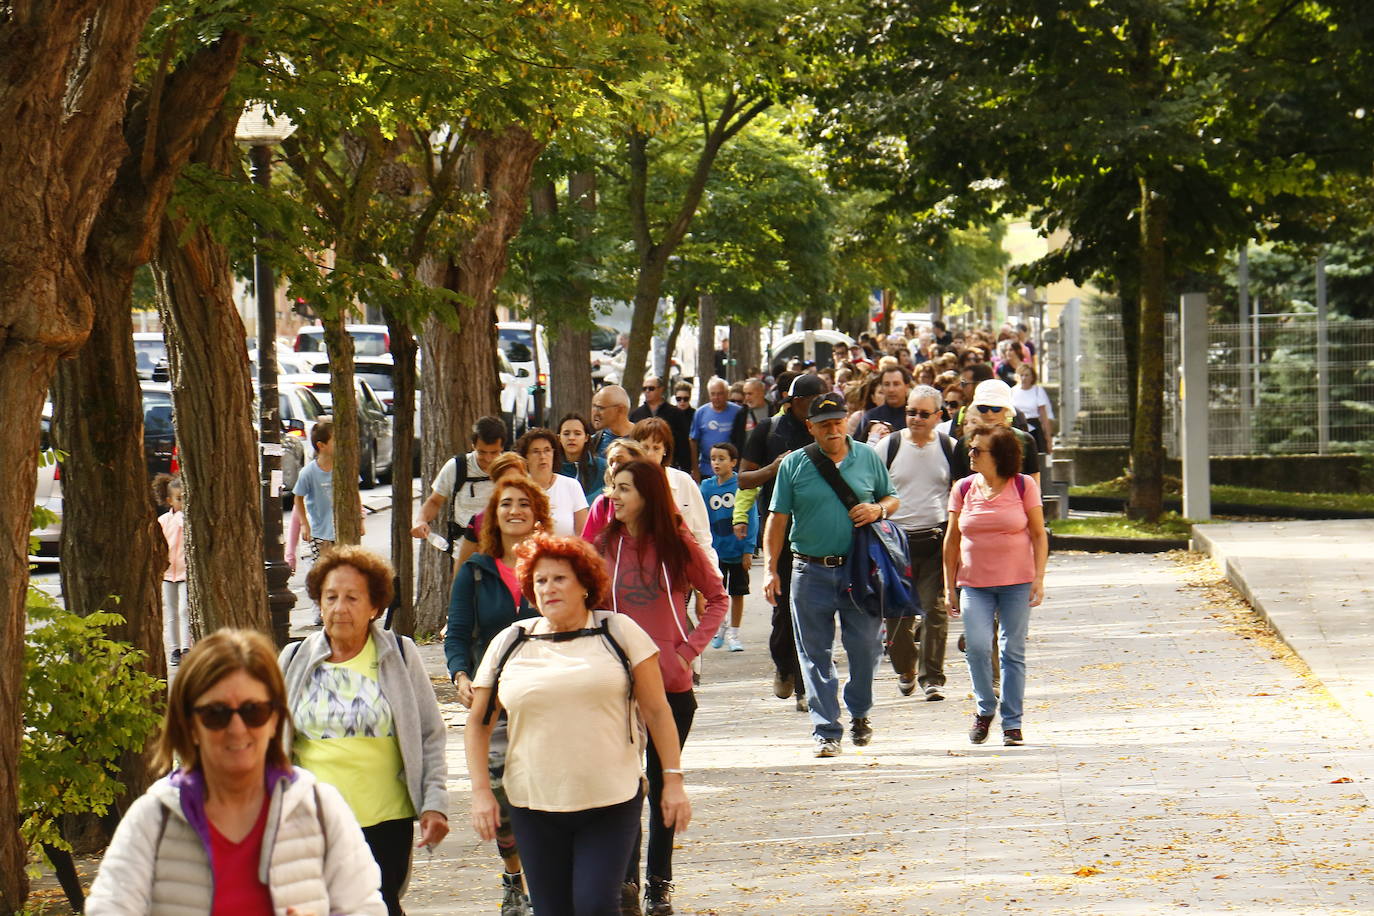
(988, 408)
(974, 451)
(952, 405)
(923, 414)
(216, 716)
(649, 388)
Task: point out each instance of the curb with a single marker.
(1098, 544)
(1116, 504)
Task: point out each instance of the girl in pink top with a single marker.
(995, 552)
(176, 615)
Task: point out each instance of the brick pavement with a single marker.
(1177, 758)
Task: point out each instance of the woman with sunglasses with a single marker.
(234, 812)
(365, 716)
(995, 552)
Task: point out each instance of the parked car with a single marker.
(159, 435)
(518, 343)
(150, 355)
(299, 409)
(380, 373)
(48, 494)
(608, 361)
(374, 425)
(368, 339)
(516, 401)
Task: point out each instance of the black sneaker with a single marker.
(629, 899)
(1012, 737)
(658, 897)
(860, 731)
(979, 732)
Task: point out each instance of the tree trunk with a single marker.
(744, 350)
(460, 382)
(811, 319)
(936, 306)
(1130, 322)
(403, 350)
(570, 346)
(706, 344)
(1147, 445)
(213, 393)
(681, 303)
(344, 411)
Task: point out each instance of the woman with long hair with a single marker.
(487, 599)
(579, 462)
(657, 438)
(618, 454)
(654, 562)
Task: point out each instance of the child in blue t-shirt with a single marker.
(736, 554)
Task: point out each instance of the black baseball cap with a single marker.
(827, 407)
(807, 385)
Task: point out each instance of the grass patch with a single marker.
(1245, 496)
(1170, 525)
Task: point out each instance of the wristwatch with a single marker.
(883, 510)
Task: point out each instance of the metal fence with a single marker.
(1278, 385)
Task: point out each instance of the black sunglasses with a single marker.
(684, 397)
(988, 408)
(923, 414)
(952, 405)
(649, 388)
(217, 716)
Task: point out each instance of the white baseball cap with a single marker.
(993, 393)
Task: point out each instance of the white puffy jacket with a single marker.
(314, 857)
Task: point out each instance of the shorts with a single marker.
(735, 577)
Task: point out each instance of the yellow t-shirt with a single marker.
(346, 737)
(568, 712)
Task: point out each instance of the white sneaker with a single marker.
(732, 640)
(934, 692)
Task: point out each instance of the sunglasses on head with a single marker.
(217, 716)
(923, 414)
(988, 408)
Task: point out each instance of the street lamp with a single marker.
(260, 130)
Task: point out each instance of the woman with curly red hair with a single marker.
(569, 682)
(655, 562)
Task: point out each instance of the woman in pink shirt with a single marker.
(654, 561)
(176, 615)
(995, 552)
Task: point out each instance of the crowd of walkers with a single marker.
(593, 565)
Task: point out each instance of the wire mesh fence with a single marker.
(1279, 385)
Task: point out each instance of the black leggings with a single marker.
(390, 842)
(660, 855)
(574, 860)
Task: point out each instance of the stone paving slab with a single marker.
(1175, 761)
(1314, 582)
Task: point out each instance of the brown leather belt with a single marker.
(830, 562)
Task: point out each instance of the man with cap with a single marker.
(768, 444)
(992, 407)
(821, 538)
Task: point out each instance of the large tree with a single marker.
(65, 70)
(1159, 133)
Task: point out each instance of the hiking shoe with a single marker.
(979, 732)
(860, 731)
(629, 899)
(516, 902)
(905, 685)
(782, 685)
(827, 747)
(732, 642)
(934, 692)
(801, 702)
(1011, 737)
(658, 897)
(719, 639)
(176, 658)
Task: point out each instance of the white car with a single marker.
(518, 342)
(368, 339)
(814, 346)
(516, 400)
(150, 353)
(608, 361)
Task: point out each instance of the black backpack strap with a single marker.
(947, 446)
(894, 442)
(519, 637)
(400, 647)
(831, 475)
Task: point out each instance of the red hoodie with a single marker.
(638, 592)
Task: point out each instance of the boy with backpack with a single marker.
(735, 553)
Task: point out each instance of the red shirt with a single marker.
(238, 892)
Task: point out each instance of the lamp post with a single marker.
(260, 130)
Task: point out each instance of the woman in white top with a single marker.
(1030, 398)
(570, 681)
(567, 502)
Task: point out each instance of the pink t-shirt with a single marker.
(598, 518)
(512, 581)
(994, 537)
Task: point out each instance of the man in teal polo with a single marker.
(821, 536)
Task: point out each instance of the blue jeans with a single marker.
(1011, 605)
(818, 595)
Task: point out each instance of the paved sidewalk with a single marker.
(1176, 759)
(1314, 582)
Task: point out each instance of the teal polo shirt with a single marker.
(820, 524)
